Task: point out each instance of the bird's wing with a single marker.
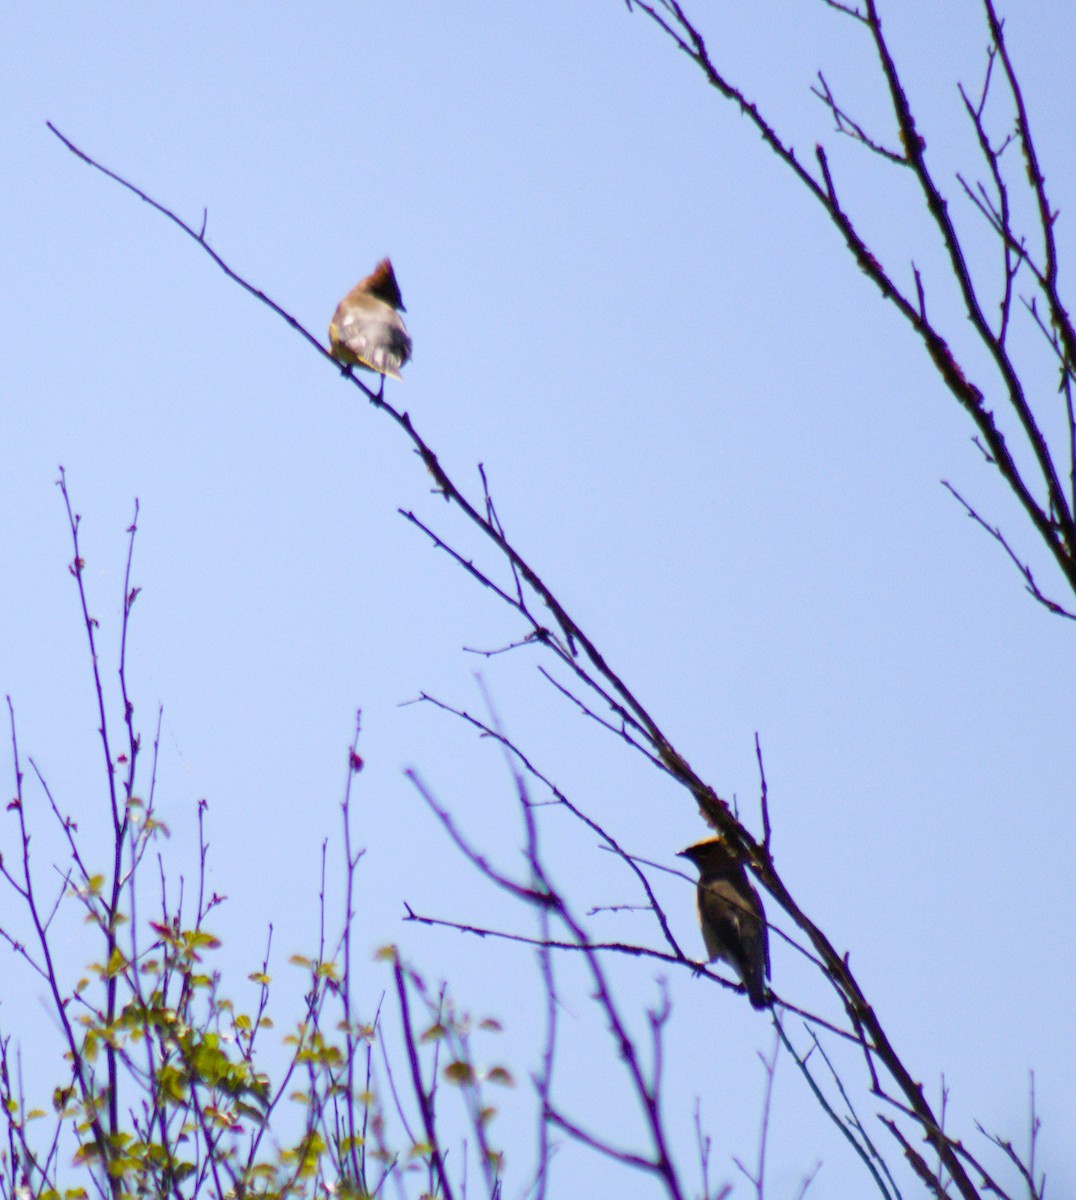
(735, 925)
(380, 343)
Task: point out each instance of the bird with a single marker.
(731, 915)
(367, 329)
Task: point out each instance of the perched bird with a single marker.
(367, 330)
(731, 915)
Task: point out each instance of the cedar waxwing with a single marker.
(731, 915)
(366, 329)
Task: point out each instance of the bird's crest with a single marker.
(381, 282)
(707, 848)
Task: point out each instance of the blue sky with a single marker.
(700, 423)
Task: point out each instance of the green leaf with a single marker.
(460, 1072)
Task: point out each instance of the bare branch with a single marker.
(1029, 579)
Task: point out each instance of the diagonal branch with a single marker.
(1053, 521)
